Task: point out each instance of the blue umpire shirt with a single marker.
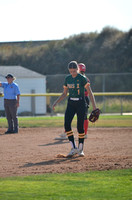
(10, 90)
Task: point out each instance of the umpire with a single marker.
(11, 103)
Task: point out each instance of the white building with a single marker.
(29, 82)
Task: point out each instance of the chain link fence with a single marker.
(112, 82)
(100, 83)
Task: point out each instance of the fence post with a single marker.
(33, 102)
(103, 89)
(121, 106)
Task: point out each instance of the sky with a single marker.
(31, 20)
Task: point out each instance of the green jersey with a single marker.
(76, 86)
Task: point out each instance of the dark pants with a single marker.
(11, 114)
(75, 107)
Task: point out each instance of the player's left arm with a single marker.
(91, 95)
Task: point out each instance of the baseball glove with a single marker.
(94, 115)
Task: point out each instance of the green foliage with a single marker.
(104, 185)
(108, 51)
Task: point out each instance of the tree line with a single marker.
(109, 51)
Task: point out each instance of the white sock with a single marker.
(81, 146)
(72, 145)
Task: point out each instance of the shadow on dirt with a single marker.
(55, 143)
(51, 162)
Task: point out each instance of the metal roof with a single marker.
(19, 72)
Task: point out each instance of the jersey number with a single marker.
(78, 89)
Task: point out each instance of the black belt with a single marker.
(9, 99)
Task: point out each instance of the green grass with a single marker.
(94, 185)
(113, 121)
(53, 121)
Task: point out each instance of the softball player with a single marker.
(82, 70)
(76, 84)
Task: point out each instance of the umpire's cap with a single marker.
(10, 76)
(73, 65)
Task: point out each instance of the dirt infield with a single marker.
(35, 150)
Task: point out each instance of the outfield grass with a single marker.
(54, 121)
(94, 185)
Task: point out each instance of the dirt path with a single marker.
(35, 150)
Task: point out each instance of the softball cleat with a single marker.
(73, 152)
(81, 153)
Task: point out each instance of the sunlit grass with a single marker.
(54, 121)
(94, 185)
